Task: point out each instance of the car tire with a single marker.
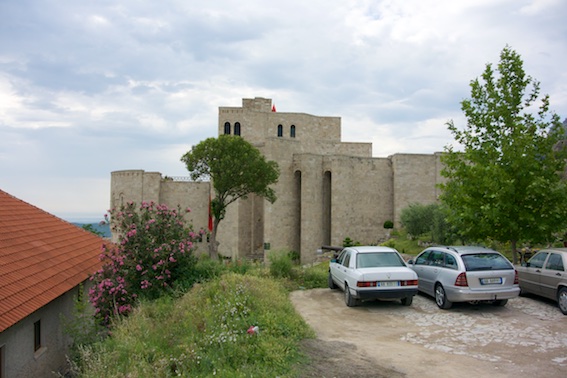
(350, 301)
(441, 297)
(562, 300)
(407, 301)
(500, 302)
(332, 284)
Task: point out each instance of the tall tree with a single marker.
(507, 182)
(236, 169)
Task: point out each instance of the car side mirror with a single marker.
(333, 260)
(526, 264)
(410, 262)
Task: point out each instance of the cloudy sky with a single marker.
(90, 87)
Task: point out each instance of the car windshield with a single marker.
(378, 259)
(485, 261)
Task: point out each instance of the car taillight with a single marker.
(409, 283)
(461, 280)
(516, 278)
(366, 283)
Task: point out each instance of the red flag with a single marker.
(274, 108)
(210, 215)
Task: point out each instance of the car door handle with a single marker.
(538, 271)
(558, 274)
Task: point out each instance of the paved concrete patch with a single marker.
(528, 336)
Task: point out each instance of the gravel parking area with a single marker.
(527, 337)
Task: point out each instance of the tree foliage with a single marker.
(90, 228)
(155, 251)
(417, 219)
(236, 169)
(506, 184)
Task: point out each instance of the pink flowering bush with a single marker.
(155, 250)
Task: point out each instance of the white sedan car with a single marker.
(372, 272)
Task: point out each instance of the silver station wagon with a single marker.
(545, 275)
(465, 274)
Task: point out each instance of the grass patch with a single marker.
(204, 333)
(400, 241)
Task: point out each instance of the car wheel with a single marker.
(349, 300)
(500, 302)
(332, 284)
(441, 297)
(407, 301)
(562, 300)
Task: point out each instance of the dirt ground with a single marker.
(526, 338)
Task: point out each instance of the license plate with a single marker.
(491, 281)
(388, 283)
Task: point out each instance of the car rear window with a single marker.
(485, 261)
(378, 259)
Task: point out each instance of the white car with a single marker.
(372, 272)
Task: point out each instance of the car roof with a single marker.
(371, 248)
(465, 249)
(554, 250)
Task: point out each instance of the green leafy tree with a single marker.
(90, 228)
(507, 182)
(417, 218)
(236, 169)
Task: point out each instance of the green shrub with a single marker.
(241, 266)
(388, 224)
(204, 270)
(294, 256)
(281, 265)
(348, 242)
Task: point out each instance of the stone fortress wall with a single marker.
(327, 190)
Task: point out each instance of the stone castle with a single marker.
(328, 190)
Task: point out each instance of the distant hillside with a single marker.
(103, 229)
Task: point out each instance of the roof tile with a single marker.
(41, 258)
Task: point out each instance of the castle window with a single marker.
(280, 131)
(237, 128)
(292, 131)
(227, 128)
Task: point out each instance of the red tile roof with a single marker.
(41, 258)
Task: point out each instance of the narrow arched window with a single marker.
(237, 128)
(280, 130)
(292, 131)
(227, 127)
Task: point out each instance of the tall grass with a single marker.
(204, 333)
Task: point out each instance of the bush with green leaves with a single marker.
(155, 250)
(417, 219)
(281, 264)
(430, 220)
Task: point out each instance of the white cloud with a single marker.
(87, 88)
